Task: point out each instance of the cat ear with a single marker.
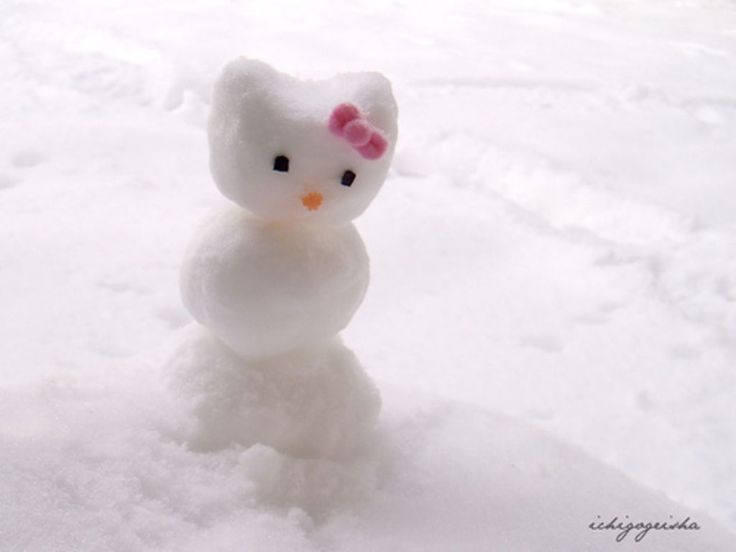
(243, 84)
(376, 100)
(240, 100)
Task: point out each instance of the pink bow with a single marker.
(347, 122)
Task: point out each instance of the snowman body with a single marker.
(264, 288)
(272, 279)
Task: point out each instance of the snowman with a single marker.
(272, 279)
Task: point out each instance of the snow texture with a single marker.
(272, 280)
(259, 114)
(310, 402)
(551, 314)
(267, 288)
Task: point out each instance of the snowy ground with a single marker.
(553, 276)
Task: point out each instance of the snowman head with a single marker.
(286, 149)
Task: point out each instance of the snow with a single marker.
(273, 279)
(314, 402)
(259, 114)
(265, 289)
(550, 318)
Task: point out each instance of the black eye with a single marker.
(281, 163)
(348, 177)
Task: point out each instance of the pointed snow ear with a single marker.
(377, 99)
(243, 84)
(242, 99)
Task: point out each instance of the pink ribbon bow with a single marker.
(347, 122)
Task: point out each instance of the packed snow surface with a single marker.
(273, 279)
(320, 128)
(552, 307)
(314, 402)
(266, 288)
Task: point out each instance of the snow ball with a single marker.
(313, 403)
(265, 288)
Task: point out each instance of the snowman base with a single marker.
(314, 402)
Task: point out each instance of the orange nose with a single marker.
(312, 200)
